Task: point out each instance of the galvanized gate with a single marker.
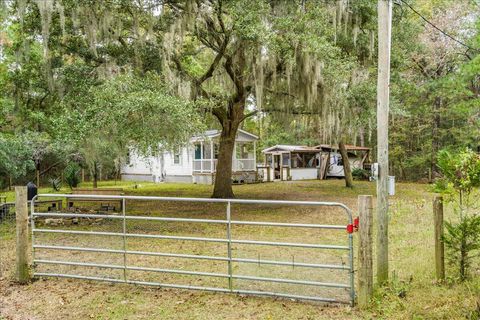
(66, 255)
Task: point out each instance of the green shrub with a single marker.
(360, 174)
(72, 174)
(461, 240)
(461, 174)
(461, 177)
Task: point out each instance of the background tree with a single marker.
(56, 53)
(15, 159)
(433, 99)
(305, 67)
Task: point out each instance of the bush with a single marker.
(461, 174)
(72, 175)
(360, 174)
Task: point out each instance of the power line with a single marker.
(438, 29)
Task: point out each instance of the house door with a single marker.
(277, 169)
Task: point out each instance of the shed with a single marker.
(297, 162)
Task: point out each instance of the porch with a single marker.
(206, 156)
(286, 162)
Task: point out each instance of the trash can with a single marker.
(31, 190)
(391, 185)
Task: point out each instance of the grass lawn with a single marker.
(412, 293)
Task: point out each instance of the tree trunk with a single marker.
(463, 258)
(362, 137)
(223, 174)
(346, 165)
(37, 174)
(402, 171)
(327, 167)
(435, 137)
(95, 175)
(230, 119)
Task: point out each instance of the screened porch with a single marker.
(206, 156)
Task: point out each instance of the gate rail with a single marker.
(228, 222)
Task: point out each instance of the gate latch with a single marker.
(353, 227)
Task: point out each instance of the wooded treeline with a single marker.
(82, 81)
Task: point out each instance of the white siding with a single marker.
(303, 173)
(244, 137)
(142, 168)
(139, 164)
(184, 168)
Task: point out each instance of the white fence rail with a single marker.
(205, 165)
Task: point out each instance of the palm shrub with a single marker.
(55, 183)
(461, 179)
(72, 174)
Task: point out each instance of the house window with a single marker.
(304, 160)
(310, 160)
(198, 151)
(285, 159)
(269, 160)
(244, 150)
(176, 157)
(297, 160)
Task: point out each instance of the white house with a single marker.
(289, 162)
(196, 162)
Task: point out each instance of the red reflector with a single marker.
(350, 228)
(356, 223)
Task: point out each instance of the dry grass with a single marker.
(413, 294)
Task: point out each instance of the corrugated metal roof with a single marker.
(290, 148)
(320, 147)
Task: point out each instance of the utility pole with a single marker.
(383, 91)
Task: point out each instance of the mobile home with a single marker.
(195, 162)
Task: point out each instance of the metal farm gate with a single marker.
(118, 246)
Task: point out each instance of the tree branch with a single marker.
(248, 115)
(215, 62)
(220, 113)
(421, 68)
(231, 73)
(281, 92)
(293, 111)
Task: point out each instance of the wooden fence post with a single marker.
(439, 246)
(365, 261)
(21, 215)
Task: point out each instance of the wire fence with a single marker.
(293, 249)
(7, 211)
